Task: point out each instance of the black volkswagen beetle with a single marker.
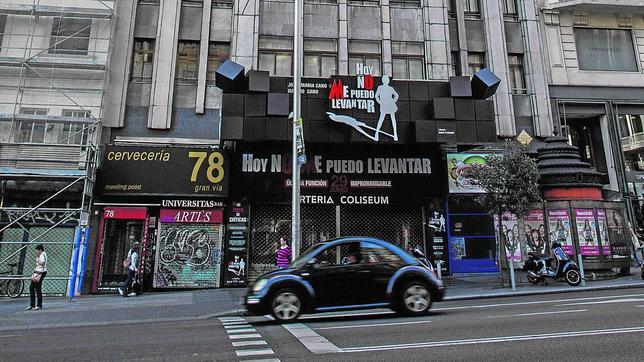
(346, 273)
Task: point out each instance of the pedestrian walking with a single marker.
(638, 253)
(37, 277)
(283, 254)
(131, 266)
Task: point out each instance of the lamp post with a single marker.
(295, 199)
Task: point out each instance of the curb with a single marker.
(543, 292)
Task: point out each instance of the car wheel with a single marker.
(415, 299)
(286, 305)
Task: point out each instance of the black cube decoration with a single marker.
(278, 104)
(484, 84)
(258, 81)
(229, 77)
(460, 87)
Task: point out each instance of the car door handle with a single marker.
(306, 274)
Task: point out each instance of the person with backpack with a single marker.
(131, 266)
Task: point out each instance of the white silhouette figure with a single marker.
(387, 97)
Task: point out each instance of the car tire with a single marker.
(286, 305)
(414, 299)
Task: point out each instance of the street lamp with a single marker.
(298, 138)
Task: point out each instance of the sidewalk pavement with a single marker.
(97, 310)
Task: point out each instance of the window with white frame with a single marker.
(217, 54)
(276, 55)
(320, 57)
(365, 52)
(70, 36)
(70, 133)
(142, 60)
(517, 78)
(475, 62)
(30, 131)
(408, 60)
(187, 70)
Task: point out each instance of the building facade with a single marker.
(163, 100)
(53, 61)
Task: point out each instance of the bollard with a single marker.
(581, 270)
(439, 269)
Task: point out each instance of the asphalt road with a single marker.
(590, 326)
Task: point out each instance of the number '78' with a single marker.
(215, 171)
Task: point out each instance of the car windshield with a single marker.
(306, 255)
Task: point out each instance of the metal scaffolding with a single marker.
(53, 62)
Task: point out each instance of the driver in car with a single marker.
(354, 254)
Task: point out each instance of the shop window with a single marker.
(70, 36)
(217, 54)
(187, 69)
(30, 131)
(605, 49)
(142, 60)
(475, 62)
(408, 60)
(320, 57)
(405, 3)
(455, 64)
(510, 9)
(275, 55)
(472, 9)
(517, 78)
(366, 53)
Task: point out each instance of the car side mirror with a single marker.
(311, 263)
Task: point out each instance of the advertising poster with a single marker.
(603, 232)
(535, 232)
(236, 246)
(437, 235)
(188, 249)
(586, 231)
(617, 234)
(510, 228)
(559, 226)
(457, 166)
(457, 248)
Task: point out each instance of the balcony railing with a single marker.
(633, 142)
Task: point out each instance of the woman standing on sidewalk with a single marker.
(35, 288)
(283, 254)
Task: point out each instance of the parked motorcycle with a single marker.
(559, 267)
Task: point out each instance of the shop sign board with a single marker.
(141, 170)
(587, 232)
(457, 166)
(125, 213)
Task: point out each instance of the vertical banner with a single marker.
(586, 232)
(617, 234)
(603, 232)
(535, 232)
(188, 249)
(510, 228)
(559, 226)
(437, 237)
(236, 246)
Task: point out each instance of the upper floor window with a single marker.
(472, 9)
(517, 78)
(276, 55)
(406, 3)
(70, 36)
(475, 62)
(3, 22)
(142, 60)
(455, 64)
(217, 54)
(30, 131)
(451, 7)
(187, 70)
(365, 52)
(408, 60)
(605, 49)
(364, 2)
(510, 9)
(320, 57)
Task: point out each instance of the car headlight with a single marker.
(259, 285)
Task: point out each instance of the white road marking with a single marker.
(10, 335)
(232, 323)
(640, 306)
(531, 337)
(242, 330)
(311, 340)
(534, 302)
(263, 360)
(538, 313)
(244, 336)
(236, 326)
(231, 319)
(249, 343)
(625, 300)
(254, 352)
(371, 325)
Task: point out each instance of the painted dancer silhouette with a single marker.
(387, 97)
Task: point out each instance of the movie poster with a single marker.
(535, 233)
(510, 228)
(559, 227)
(586, 232)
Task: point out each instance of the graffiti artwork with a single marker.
(188, 255)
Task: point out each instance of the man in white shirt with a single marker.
(132, 269)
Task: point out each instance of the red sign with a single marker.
(130, 213)
(191, 216)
